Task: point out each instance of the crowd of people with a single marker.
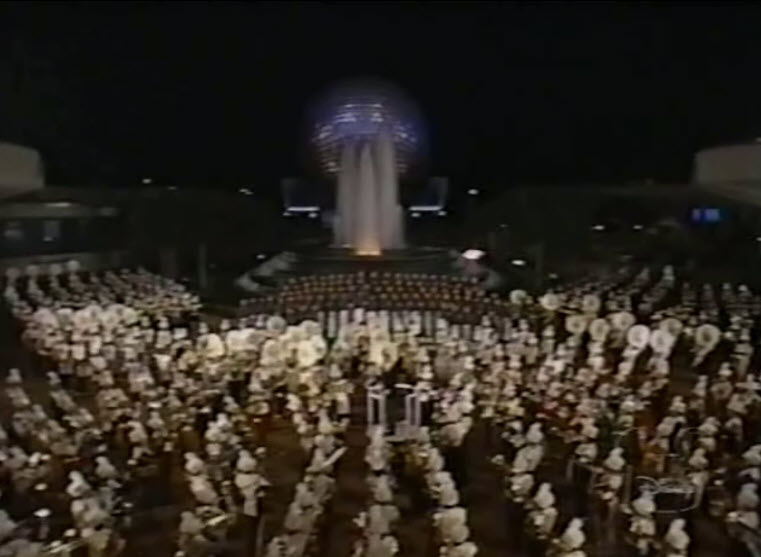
(636, 388)
(458, 298)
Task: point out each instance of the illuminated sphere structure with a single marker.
(359, 110)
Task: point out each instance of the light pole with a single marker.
(470, 213)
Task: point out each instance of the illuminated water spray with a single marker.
(367, 134)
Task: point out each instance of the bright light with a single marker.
(303, 208)
(262, 256)
(59, 204)
(425, 208)
(147, 181)
(286, 213)
(442, 213)
(553, 276)
(637, 227)
(473, 191)
(246, 191)
(415, 215)
(758, 239)
(312, 215)
(519, 262)
(598, 227)
(473, 254)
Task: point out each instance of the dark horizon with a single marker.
(217, 94)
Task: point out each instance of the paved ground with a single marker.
(496, 524)
(338, 532)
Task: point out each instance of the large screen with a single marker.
(432, 197)
(301, 196)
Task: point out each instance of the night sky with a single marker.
(216, 94)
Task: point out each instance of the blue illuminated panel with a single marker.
(703, 215)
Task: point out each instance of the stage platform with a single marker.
(411, 260)
(315, 261)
